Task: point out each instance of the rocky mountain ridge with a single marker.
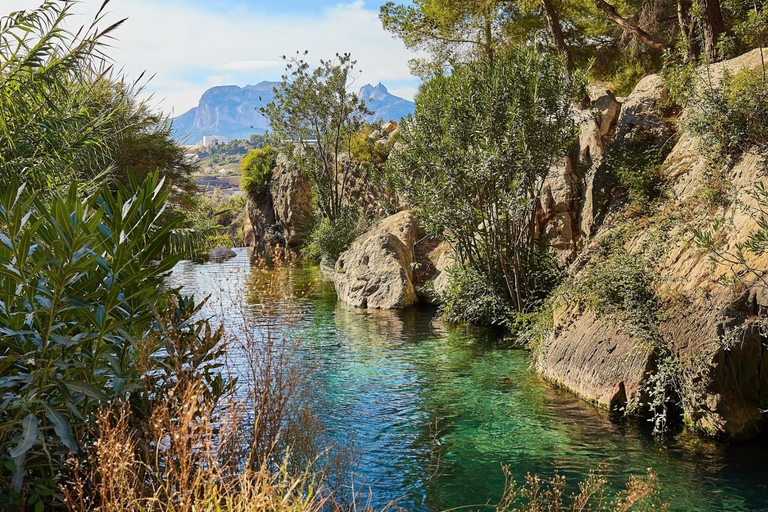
(233, 112)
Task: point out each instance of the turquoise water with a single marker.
(438, 410)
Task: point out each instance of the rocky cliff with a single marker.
(693, 340)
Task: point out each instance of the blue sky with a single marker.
(191, 45)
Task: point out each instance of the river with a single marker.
(412, 391)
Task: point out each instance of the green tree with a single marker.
(474, 158)
(314, 118)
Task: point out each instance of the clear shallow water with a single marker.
(411, 390)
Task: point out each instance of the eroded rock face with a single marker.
(376, 271)
(710, 331)
(561, 204)
(221, 254)
(292, 200)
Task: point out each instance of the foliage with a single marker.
(81, 281)
(331, 237)
(738, 259)
(730, 114)
(471, 297)
(66, 117)
(367, 149)
(473, 160)
(314, 118)
(51, 130)
(256, 170)
(637, 164)
(230, 153)
(208, 223)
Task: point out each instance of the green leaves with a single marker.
(314, 118)
(474, 158)
(81, 277)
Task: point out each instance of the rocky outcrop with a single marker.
(292, 200)
(562, 207)
(376, 271)
(221, 254)
(709, 338)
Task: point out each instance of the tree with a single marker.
(314, 119)
(475, 156)
(448, 29)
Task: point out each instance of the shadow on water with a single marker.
(437, 410)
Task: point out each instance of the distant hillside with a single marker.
(233, 112)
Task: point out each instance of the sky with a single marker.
(192, 45)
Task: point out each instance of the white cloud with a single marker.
(247, 65)
(189, 48)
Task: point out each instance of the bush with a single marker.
(81, 282)
(729, 113)
(473, 159)
(331, 237)
(256, 170)
(637, 164)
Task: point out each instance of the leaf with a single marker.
(29, 436)
(88, 389)
(61, 426)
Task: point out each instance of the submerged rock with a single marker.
(221, 254)
(376, 271)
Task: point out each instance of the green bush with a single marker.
(637, 164)
(81, 284)
(472, 160)
(729, 112)
(331, 237)
(256, 170)
(471, 297)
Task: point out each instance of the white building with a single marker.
(213, 140)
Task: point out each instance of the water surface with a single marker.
(438, 410)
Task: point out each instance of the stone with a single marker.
(221, 254)
(292, 200)
(376, 271)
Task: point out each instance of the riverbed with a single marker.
(438, 410)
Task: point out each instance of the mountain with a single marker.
(385, 106)
(233, 112)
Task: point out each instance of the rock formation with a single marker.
(710, 341)
(376, 271)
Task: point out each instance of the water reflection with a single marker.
(411, 390)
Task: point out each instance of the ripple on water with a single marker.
(410, 390)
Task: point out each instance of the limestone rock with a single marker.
(639, 111)
(221, 254)
(292, 200)
(376, 271)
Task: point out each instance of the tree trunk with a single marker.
(713, 26)
(553, 20)
(629, 26)
(686, 22)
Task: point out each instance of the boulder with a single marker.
(376, 271)
(221, 254)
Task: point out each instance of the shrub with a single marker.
(331, 237)
(637, 165)
(81, 282)
(256, 170)
(473, 159)
(728, 112)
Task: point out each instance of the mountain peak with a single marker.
(233, 112)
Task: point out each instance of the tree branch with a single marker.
(629, 26)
